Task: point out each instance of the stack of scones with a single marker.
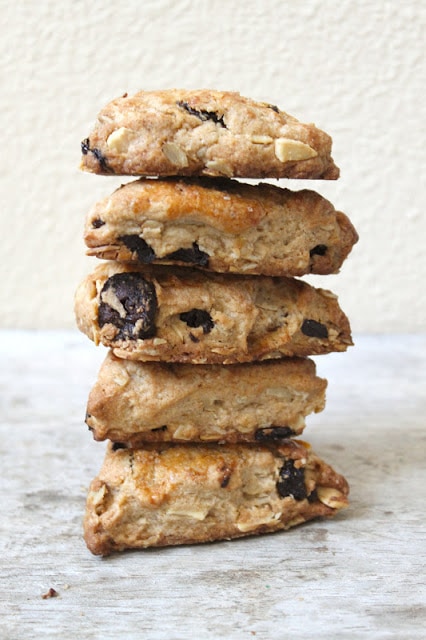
(207, 380)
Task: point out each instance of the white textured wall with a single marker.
(353, 68)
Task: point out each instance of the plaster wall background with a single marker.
(356, 69)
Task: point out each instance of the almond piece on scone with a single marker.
(137, 402)
(185, 315)
(184, 494)
(220, 225)
(204, 132)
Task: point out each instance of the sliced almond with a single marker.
(261, 139)
(175, 154)
(121, 377)
(219, 167)
(190, 513)
(327, 294)
(332, 497)
(288, 150)
(253, 523)
(109, 297)
(119, 140)
(185, 432)
(97, 498)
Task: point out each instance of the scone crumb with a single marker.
(51, 593)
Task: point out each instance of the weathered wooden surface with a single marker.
(360, 575)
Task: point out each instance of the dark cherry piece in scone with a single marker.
(184, 315)
(220, 225)
(204, 132)
(137, 402)
(184, 494)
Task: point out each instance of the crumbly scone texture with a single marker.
(137, 402)
(220, 225)
(185, 494)
(184, 315)
(204, 132)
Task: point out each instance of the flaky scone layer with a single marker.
(183, 494)
(184, 315)
(204, 132)
(136, 402)
(220, 225)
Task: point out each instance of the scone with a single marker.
(212, 133)
(185, 494)
(184, 315)
(220, 225)
(137, 402)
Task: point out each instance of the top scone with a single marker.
(211, 133)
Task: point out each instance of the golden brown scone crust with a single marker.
(137, 402)
(204, 132)
(220, 225)
(184, 315)
(184, 494)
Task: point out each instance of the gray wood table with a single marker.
(360, 575)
